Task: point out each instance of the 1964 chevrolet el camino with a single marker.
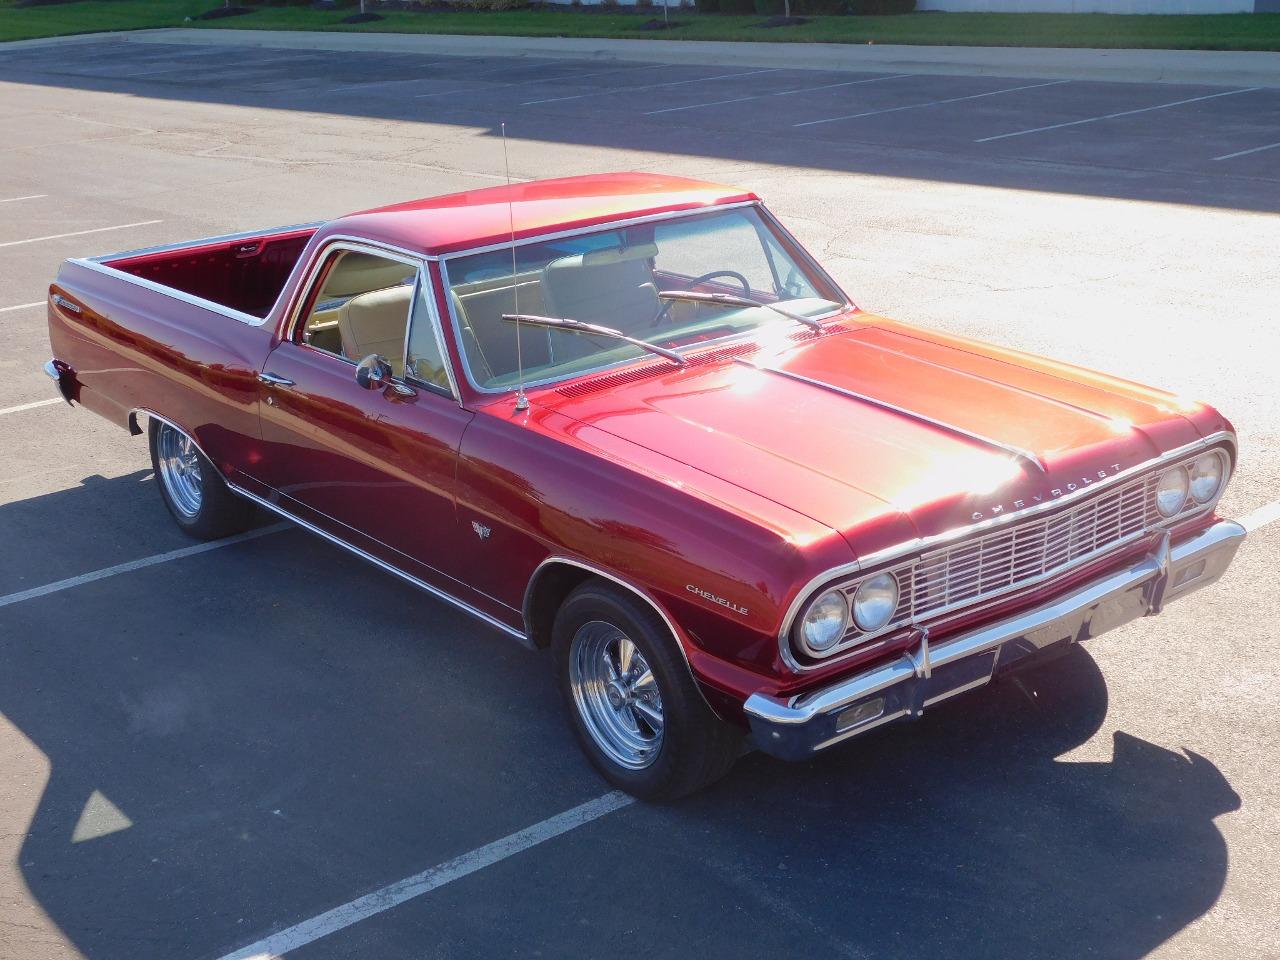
(629, 418)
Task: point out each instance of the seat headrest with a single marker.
(600, 258)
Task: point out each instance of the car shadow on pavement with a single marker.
(241, 739)
(970, 834)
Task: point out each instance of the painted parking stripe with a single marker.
(80, 233)
(779, 93)
(380, 901)
(60, 585)
(31, 406)
(932, 103)
(1245, 153)
(650, 86)
(22, 306)
(1112, 116)
(32, 196)
(1269, 513)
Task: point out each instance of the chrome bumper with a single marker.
(52, 371)
(928, 673)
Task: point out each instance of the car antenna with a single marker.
(522, 402)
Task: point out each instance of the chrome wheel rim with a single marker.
(180, 470)
(616, 694)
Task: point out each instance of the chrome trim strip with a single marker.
(170, 292)
(390, 568)
(1024, 455)
(613, 577)
(267, 505)
(1225, 535)
(921, 545)
(222, 238)
(99, 265)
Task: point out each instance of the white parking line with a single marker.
(779, 93)
(1245, 153)
(388, 83)
(380, 901)
(132, 565)
(1112, 116)
(80, 233)
(32, 196)
(1256, 520)
(22, 306)
(931, 103)
(650, 86)
(31, 406)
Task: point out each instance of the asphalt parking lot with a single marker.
(202, 751)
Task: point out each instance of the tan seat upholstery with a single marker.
(610, 287)
(358, 273)
(375, 322)
(491, 339)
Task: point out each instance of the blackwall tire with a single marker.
(193, 491)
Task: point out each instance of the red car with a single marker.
(629, 418)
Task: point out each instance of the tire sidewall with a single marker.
(221, 512)
(591, 603)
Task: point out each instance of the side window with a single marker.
(426, 363)
(362, 307)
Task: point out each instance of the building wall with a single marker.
(1090, 6)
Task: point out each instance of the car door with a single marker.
(370, 464)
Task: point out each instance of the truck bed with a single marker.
(244, 272)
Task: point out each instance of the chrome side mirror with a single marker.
(373, 373)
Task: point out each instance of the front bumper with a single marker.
(800, 726)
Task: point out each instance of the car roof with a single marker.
(478, 218)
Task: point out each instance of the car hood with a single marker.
(884, 432)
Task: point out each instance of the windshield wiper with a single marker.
(733, 300)
(577, 326)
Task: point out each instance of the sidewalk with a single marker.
(1209, 67)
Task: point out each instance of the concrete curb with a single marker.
(1208, 67)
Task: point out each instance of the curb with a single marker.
(1207, 67)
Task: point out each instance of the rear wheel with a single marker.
(197, 498)
(631, 700)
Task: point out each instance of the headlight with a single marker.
(1171, 491)
(1206, 477)
(825, 623)
(875, 601)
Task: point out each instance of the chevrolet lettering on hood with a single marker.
(1056, 493)
(652, 396)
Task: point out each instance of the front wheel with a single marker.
(198, 499)
(631, 700)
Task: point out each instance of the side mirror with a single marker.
(373, 372)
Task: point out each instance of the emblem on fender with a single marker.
(481, 530)
(1070, 487)
(708, 595)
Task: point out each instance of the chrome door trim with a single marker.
(389, 567)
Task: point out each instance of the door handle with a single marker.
(274, 380)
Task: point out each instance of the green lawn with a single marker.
(1223, 32)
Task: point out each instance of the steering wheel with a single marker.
(734, 274)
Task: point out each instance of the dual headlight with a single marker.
(827, 619)
(1199, 482)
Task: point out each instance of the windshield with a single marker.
(616, 278)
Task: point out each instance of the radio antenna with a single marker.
(522, 402)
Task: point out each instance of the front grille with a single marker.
(1006, 560)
